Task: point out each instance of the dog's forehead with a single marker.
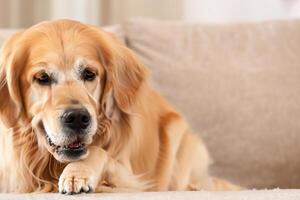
(64, 55)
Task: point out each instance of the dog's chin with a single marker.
(67, 153)
(66, 156)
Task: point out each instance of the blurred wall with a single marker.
(119, 10)
(237, 10)
(24, 13)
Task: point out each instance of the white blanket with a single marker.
(275, 194)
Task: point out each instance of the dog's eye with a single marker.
(43, 79)
(88, 75)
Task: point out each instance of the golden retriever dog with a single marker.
(77, 115)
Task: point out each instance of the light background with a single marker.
(24, 13)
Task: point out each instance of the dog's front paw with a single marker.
(76, 178)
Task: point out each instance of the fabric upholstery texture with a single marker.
(238, 86)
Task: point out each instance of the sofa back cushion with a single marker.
(117, 30)
(238, 86)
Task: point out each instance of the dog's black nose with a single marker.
(76, 119)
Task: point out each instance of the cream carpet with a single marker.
(275, 194)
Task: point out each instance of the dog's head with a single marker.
(59, 77)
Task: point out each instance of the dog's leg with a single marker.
(87, 175)
(84, 175)
(119, 179)
(199, 178)
(220, 184)
(191, 169)
(172, 128)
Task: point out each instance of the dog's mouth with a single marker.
(72, 146)
(72, 151)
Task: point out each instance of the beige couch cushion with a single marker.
(117, 30)
(238, 86)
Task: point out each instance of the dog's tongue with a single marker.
(74, 145)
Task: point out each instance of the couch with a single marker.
(238, 85)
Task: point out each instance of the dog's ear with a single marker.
(12, 57)
(125, 74)
(127, 77)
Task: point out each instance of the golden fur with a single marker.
(137, 142)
